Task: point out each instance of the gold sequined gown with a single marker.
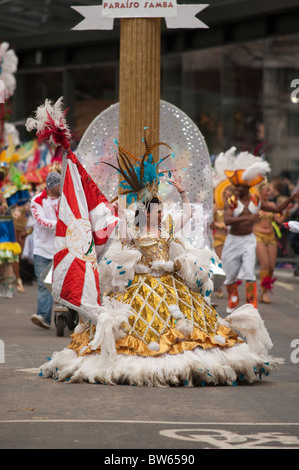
(170, 336)
(160, 305)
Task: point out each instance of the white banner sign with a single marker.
(140, 9)
(176, 16)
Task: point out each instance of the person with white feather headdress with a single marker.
(154, 325)
(241, 211)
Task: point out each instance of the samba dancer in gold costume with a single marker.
(266, 247)
(156, 325)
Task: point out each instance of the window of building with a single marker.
(94, 90)
(240, 95)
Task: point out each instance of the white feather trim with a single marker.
(185, 326)
(175, 249)
(191, 368)
(118, 267)
(247, 320)
(9, 64)
(224, 161)
(195, 266)
(257, 168)
(120, 264)
(162, 266)
(109, 327)
(252, 165)
(141, 268)
(11, 132)
(176, 312)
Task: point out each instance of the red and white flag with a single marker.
(86, 220)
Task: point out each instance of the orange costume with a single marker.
(239, 251)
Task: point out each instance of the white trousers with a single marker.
(238, 257)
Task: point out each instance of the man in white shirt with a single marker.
(44, 208)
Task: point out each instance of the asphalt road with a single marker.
(39, 413)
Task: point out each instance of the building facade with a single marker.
(238, 80)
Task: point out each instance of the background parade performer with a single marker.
(10, 249)
(222, 190)
(241, 213)
(266, 241)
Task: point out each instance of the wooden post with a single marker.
(139, 81)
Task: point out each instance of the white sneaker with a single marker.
(39, 321)
(6, 292)
(10, 293)
(2, 290)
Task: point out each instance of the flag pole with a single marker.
(139, 81)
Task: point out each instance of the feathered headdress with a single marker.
(8, 67)
(242, 169)
(51, 128)
(50, 124)
(246, 169)
(141, 178)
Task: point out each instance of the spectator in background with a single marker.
(276, 187)
(279, 193)
(287, 186)
(44, 208)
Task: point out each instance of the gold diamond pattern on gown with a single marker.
(150, 298)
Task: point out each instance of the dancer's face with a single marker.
(241, 190)
(265, 191)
